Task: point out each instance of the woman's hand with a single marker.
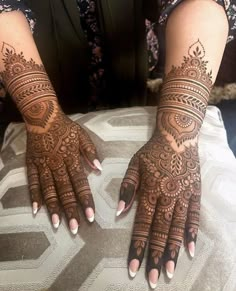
(166, 174)
(55, 171)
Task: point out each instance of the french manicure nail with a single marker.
(132, 274)
(89, 212)
(121, 208)
(191, 253)
(35, 211)
(75, 230)
(153, 276)
(35, 208)
(91, 219)
(169, 275)
(56, 225)
(97, 164)
(152, 285)
(191, 249)
(118, 213)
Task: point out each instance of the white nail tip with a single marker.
(191, 253)
(56, 225)
(74, 231)
(118, 213)
(169, 275)
(91, 219)
(35, 211)
(132, 274)
(97, 165)
(152, 285)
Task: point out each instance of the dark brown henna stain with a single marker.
(169, 170)
(28, 83)
(54, 142)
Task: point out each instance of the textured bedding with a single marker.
(35, 257)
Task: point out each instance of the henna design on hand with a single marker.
(54, 142)
(166, 170)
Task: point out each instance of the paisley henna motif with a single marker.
(166, 170)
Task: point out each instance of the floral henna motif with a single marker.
(184, 99)
(29, 85)
(168, 168)
(54, 142)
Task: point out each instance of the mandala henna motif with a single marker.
(168, 169)
(54, 142)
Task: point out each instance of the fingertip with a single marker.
(133, 268)
(191, 249)
(121, 207)
(35, 208)
(73, 226)
(97, 164)
(55, 221)
(170, 268)
(153, 278)
(89, 212)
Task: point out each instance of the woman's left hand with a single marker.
(168, 182)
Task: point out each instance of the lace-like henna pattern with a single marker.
(184, 99)
(56, 155)
(166, 170)
(28, 83)
(54, 142)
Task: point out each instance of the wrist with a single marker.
(180, 129)
(39, 115)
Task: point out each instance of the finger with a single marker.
(192, 223)
(129, 186)
(159, 236)
(142, 224)
(88, 150)
(34, 185)
(176, 235)
(82, 189)
(50, 195)
(67, 197)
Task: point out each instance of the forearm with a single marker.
(192, 63)
(23, 73)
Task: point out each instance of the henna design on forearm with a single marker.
(30, 87)
(168, 166)
(54, 142)
(185, 94)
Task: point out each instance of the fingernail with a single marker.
(74, 231)
(170, 268)
(132, 274)
(35, 208)
(191, 249)
(74, 226)
(153, 277)
(90, 214)
(97, 164)
(121, 207)
(169, 275)
(55, 221)
(133, 268)
(56, 225)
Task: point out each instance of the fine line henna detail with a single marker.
(54, 142)
(168, 168)
(184, 98)
(29, 85)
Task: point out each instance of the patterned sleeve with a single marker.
(18, 5)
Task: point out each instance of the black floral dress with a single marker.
(91, 29)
